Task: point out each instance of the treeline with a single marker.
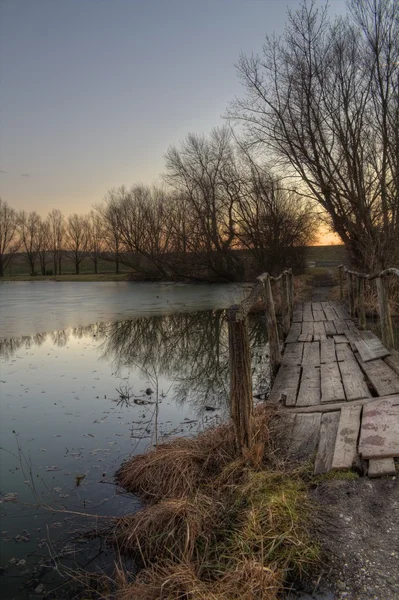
(318, 125)
(219, 217)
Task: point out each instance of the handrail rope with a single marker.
(370, 277)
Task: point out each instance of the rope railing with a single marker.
(241, 400)
(355, 294)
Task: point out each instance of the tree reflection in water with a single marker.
(190, 350)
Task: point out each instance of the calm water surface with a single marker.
(89, 375)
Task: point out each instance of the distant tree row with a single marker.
(217, 213)
(321, 106)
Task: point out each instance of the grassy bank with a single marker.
(216, 526)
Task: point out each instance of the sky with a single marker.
(92, 92)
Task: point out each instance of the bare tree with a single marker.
(43, 244)
(77, 239)
(9, 239)
(323, 99)
(29, 229)
(57, 231)
(96, 232)
(203, 171)
(109, 211)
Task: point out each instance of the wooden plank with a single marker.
(330, 313)
(297, 313)
(353, 337)
(294, 333)
(307, 311)
(311, 354)
(328, 436)
(371, 352)
(383, 378)
(293, 354)
(344, 352)
(341, 311)
(352, 327)
(305, 435)
(331, 384)
(393, 361)
(330, 328)
(340, 339)
(319, 332)
(325, 408)
(285, 386)
(378, 467)
(317, 306)
(379, 434)
(346, 443)
(309, 388)
(327, 351)
(353, 380)
(318, 315)
(340, 326)
(305, 337)
(307, 327)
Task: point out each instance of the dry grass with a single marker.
(217, 526)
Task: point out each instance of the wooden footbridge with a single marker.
(336, 385)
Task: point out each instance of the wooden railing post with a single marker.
(272, 331)
(361, 307)
(241, 400)
(292, 292)
(385, 314)
(286, 301)
(341, 282)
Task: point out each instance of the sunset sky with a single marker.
(94, 91)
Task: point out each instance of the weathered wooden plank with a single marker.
(330, 328)
(328, 436)
(331, 384)
(305, 435)
(297, 314)
(352, 327)
(311, 354)
(327, 351)
(340, 339)
(340, 310)
(393, 361)
(307, 311)
(371, 351)
(307, 327)
(305, 337)
(379, 434)
(343, 352)
(353, 380)
(285, 387)
(353, 336)
(317, 306)
(330, 313)
(325, 408)
(294, 333)
(383, 378)
(293, 354)
(318, 315)
(378, 467)
(309, 387)
(346, 443)
(341, 326)
(319, 332)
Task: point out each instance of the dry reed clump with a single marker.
(176, 469)
(236, 527)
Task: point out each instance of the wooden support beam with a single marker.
(272, 331)
(241, 400)
(384, 312)
(362, 310)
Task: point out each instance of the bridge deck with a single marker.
(340, 390)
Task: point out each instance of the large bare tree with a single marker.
(77, 239)
(29, 225)
(10, 241)
(57, 232)
(323, 100)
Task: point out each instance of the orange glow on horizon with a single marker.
(327, 238)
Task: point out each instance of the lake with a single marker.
(90, 374)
